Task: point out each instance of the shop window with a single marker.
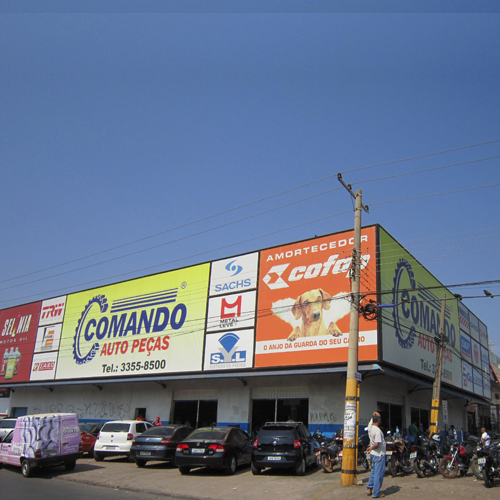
(140, 413)
(420, 417)
(196, 413)
(391, 415)
(19, 411)
(278, 410)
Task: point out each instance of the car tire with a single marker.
(140, 463)
(301, 468)
(70, 465)
(26, 468)
(232, 466)
(255, 470)
(184, 470)
(91, 452)
(98, 457)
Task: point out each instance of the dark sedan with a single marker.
(89, 432)
(158, 443)
(219, 447)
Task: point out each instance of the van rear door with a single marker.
(70, 435)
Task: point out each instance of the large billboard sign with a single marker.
(410, 326)
(303, 301)
(145, 326)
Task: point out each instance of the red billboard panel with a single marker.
(17, 340)
(304, 303)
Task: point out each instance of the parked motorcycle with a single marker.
(489, 461)
(400, 453)
(363, 456)
(330, 451)
(461, 457)
(427, 455)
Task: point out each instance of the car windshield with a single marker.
(212, 434)
(7, 424)
(115, 427)
(159, 431)
(86, 427)
(275, 431)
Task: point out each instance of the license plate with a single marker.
(274, 458)
(145, 453)
(388, 453)
(110, 447)
(413, 455)
(481, 461)
(198, 450)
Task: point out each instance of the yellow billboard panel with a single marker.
(145, 326)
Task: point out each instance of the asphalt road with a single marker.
(160, 480)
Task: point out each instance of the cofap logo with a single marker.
(279, 277)
(228, 351)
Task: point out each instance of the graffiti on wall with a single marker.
(94, 410)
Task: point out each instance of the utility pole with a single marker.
(349, 461)
(436, 387)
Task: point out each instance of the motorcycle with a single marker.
(461, 457)
(400, 451)
(330, 451)
(427, 455)
(363, 456)
(489, 461)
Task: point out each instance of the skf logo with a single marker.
(228, 352)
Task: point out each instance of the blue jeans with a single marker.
(377, 474)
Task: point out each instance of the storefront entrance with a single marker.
(278, 410)
(197, 413)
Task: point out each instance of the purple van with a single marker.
(43, 440)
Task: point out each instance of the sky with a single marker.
(137, 137)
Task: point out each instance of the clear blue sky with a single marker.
(142, 119)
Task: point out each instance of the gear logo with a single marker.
(234, 268)
(405, 336)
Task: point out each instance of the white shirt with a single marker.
(376, 436)
(486, 437)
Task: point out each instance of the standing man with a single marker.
(157, 421)
(377, 457)
(413, 431)
(485, 438)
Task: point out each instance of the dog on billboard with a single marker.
(311, 312)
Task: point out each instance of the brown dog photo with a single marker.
(311, 312)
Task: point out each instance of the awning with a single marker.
(495, 374)
(427, 384)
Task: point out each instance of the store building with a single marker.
(252, 338)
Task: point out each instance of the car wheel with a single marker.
(98, 457)
(140, 463)
(26, 468)
(184, 470)
(232, 466)
(91, 452)
(301, 469)
(70, 465)
(255, 470)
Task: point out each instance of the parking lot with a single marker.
(160, 478)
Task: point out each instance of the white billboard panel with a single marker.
(476, 354)
(52, 311)
(467, 378)
(483, 334)
(478, 381)
(43, 366)
(48, 338)
(231, 311)
(486, 385)
(463, 316)
(229, 350)
(236, 274)
(485, 359)
(474, 326)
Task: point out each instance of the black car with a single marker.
(158, 443)
(219, 447)
(284, 445)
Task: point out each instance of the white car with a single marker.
(115, 438)
(6, 425)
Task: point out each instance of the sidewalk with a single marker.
(204, 484)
